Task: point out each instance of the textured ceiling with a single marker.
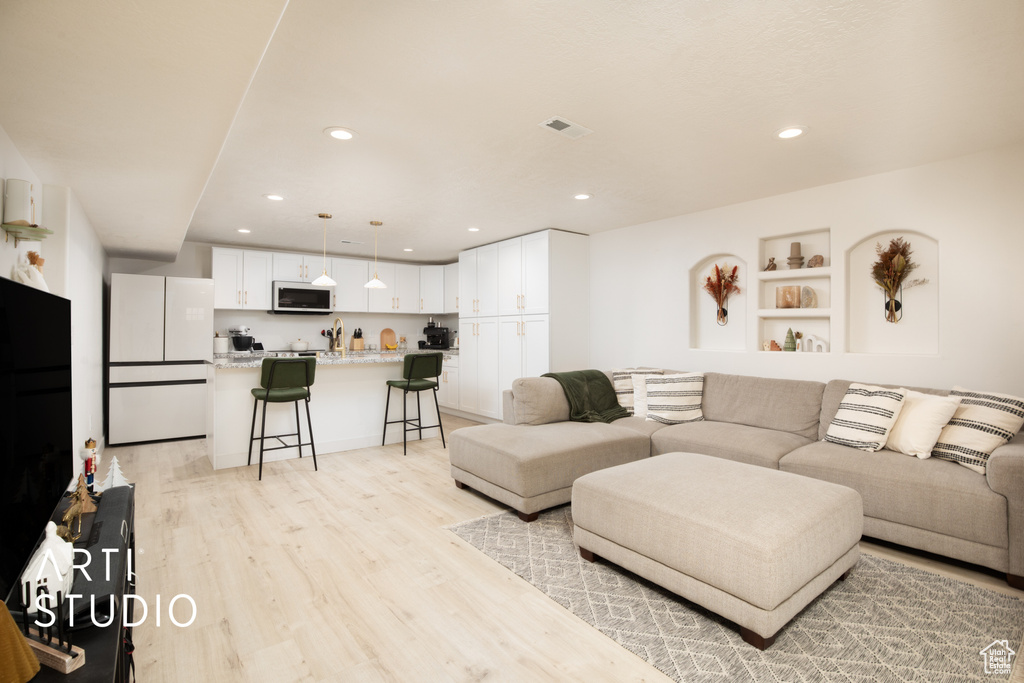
(683, 97)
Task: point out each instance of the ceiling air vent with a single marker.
(348, 242)
(565, 127)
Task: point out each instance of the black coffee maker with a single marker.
(437, 337)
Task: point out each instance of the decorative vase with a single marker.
(723, 316)
(787, 296)
(893, 307)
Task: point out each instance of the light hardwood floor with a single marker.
(348, 574)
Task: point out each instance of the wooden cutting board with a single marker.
(387, 338)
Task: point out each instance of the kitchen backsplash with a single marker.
(275, 332)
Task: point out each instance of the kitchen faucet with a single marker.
(338, 342)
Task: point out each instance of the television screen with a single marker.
(36, 450)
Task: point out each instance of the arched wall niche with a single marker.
(705, 332)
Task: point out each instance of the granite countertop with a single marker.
(254, 359)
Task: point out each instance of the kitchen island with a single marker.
(346, 406)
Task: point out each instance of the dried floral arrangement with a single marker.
(890, 270)
(720, 284)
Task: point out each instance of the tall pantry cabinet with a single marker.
(524, 311)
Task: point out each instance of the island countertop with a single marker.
(347, 403)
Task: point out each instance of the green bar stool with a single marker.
(283, 380)
(419, 373)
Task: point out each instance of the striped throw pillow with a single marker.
(983, 422)
(622, 380)
(675, 399)
(865, 417)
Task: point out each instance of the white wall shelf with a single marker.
(798, 274)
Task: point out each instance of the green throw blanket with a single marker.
(591, 396)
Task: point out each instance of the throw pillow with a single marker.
(624, 381)
(920, 421)
(865, 416)
(674, 399)
(983, 422)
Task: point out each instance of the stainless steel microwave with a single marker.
(302, 297)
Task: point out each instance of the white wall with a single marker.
(75, 266)
(972, 206)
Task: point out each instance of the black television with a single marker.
(36, 450)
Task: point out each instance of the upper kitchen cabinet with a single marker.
(432, 289)
(478, 282)
(350, 294)
(292, 267)
(242, 278)
(523, 275)
(402, 294)
(451, 288)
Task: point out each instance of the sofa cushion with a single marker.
(865, 417)
(833, 395)
(622, 380)
(538, 401)
(983, 422)
(752, 445)
(639, 424)
(935, 495)
(780, 404)
(530, 460)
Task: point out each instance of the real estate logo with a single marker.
(998, 658)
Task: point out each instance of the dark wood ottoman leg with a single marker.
(587, 555)
(1015, 581)
(527, 517)
(757, 640)
(459, 484)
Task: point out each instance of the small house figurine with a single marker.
(50, 568)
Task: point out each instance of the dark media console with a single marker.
(108, 535)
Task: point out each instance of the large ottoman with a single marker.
(751, 544)
(532, 467)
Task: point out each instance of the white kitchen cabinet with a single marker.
(402, 294)
(510, 276)
(242, 278)
(298, 267)
(479, 367)
(431, 289)
(478, 282)
(451, 288)
(383, 300)
(448, 382)
(351, 275)
(543, 312)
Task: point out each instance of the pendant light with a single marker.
(325, 279)
(375, 283)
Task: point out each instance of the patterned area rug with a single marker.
(886, 622)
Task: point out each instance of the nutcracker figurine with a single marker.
(91, 461)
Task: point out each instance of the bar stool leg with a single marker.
(440, 428)
(298, 428)
(387, 404)
(263, 436)
(419, 416)
(405, 419)
(312, 446)
(252, 429)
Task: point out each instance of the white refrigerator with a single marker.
(161, 340)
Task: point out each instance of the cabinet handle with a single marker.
(239, 297)
(300, 271)
(398, 302)
(524, 302)
(247, 297)
(456, 303)
(421, 304)
(307, 271)
(335, 301)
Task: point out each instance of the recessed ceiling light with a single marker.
(339, 133)
(474, 229)
(790, 132)
(407, 250)
(583, 195)
(274, 197)
(244, 230)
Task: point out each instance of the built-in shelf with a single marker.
(795, 313)
(773, 323)
(796, 274)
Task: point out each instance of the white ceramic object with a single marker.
(299, 345)
(221, 344)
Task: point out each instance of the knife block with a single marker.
(357, 344)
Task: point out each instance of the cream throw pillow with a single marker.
(983, 422)
(920, 422)
(865, 416)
